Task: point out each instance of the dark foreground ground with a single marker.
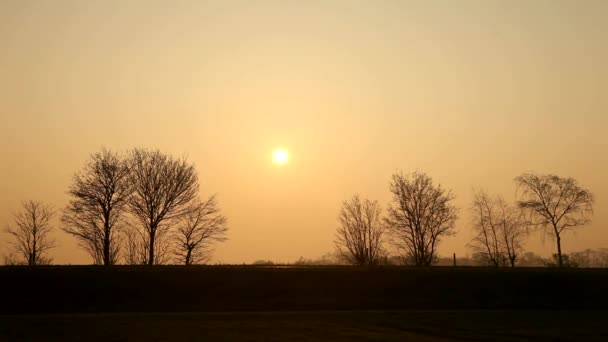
(124, 303)
(421, 326)
(82, 289)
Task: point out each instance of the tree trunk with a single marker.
(559, 251)
(34, 256)
(106, 248)
(151, 249)
(189, 257)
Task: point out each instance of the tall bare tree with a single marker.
(203, 226)
(555, 204)
(31, 232)
(136, 244)
(420, 216)
(498, 228)
(360, 235)
(163, 191)
(99, 196)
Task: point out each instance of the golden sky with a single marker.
(471, 92)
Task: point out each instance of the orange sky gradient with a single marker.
(471, 92)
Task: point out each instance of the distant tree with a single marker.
(420, 216)
(359, 237)
(99, 196)
(498, 230)
(324, 260)
(566, 261)
(163, 191)
(555, 204)
(203, 226)
(31, 233)
(531, 259)
(583, 258)
(263, 263)
(590, 258)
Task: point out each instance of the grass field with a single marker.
(170, 303)
(312, 326)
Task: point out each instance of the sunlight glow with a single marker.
(280, 156)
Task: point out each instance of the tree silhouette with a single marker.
(359, 237)
(99, 196)
(135, 247)
(198, 230)
(420, 215)
(554, 203)
(498, 230)
(163, 191)
(31, 231)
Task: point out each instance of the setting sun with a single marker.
(330, 159)
(280, 156)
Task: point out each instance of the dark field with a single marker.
(66, 289)
(302, 303)
(422, 326)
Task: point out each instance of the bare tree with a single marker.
(31, 232)
(135, 247)
(99, 196)
(163, 191)
(499, 231)
(555, 204)
(360, 235)
(420, 216)
(203, 226)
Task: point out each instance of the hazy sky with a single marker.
(471, 92)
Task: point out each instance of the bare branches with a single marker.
(135, 248)
(359, 237)
(31, 232)
(164, 188)
(100, 193)
(198, 231)
(555, 203)
(421, 214)
(498, 229)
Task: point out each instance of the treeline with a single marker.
(421, 214)
(141, 207)
(589, 258)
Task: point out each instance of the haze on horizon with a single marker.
(471, 92)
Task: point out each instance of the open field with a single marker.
(67, 289)
(170, 303)
(424, 326)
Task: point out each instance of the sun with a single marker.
(280, 156)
